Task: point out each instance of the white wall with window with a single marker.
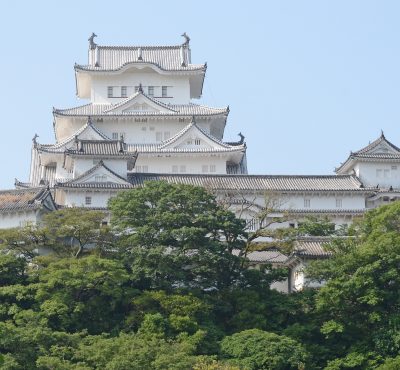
(170, 89)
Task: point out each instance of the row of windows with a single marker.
(386, 173)
(307, 203)
(122, 91)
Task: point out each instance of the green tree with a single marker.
(84, 294)
(360, 304)
(257, 349)
(177, 236)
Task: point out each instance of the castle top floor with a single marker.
(116, 72)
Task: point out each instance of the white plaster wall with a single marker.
(367, 172)
(76, 198)
(193, 164)
(178, 86)
(17, 219)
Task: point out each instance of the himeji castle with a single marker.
(141, 123)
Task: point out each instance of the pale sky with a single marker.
(306, 81)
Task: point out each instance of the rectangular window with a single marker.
(181, 120)
(138, 168)
(174, 168)
(110, 92)
(307, 203)
(167, 135)
(150, 90)
(145, 169)
(212, 168)
(182, 168)
(379, 174)
(164, 91)
(394, 168)
(339, 203)
(115, 136)
(204, 168)
(88, 201)
(124, 93)
(197, 141)
(158, 136)
(152, 128)
(386, 174)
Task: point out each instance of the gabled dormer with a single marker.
(195, 138)
(99, 176)
(377, 164)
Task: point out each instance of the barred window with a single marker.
(88, 200)
(110, 92)
(124, 93)
(150, 90)
(164, 91)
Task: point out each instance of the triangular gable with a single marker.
(87, 132)
(99, 174)
(192, 136)
(140, 102)
(379, 146)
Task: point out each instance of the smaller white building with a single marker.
(20, 207)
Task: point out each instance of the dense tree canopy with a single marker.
(166, 290)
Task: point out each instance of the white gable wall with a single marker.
(383, 174)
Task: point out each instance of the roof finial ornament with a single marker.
(92, 44)
(382, 134)
(140, 89)
(187, 38)
(241, 138)
(193, 121)
(34, 139)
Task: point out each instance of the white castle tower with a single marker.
(140, 118)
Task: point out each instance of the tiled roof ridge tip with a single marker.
(134, 47)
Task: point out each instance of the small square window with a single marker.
(138, 168)
(164, 91)
(339, 203)
(394, 168)
(197, 141)
(145, 169)
(182, 168)
(386, 174)
(307, 203)
(88, 201)
(212, 168)
(115, 136)
(204, 168)
(379, 174)
(124, 93)
(174, 169)
(110, 93)
(150, 90)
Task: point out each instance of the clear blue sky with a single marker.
(306, 81)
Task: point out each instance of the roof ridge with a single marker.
(129, 47)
